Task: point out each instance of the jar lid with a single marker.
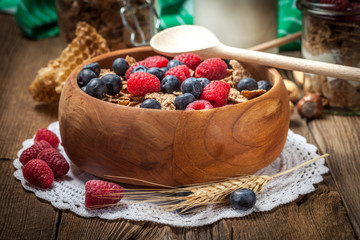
(331, 11)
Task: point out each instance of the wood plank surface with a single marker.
(340, 137)
(331, 212)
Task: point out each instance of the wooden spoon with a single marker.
(199, 40)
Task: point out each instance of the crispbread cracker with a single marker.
(49, 81)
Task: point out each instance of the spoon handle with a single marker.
(277, 42)
(284, 62)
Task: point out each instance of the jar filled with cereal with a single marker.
(331, 33)
(123, 23)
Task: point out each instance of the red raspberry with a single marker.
(149, 62)
(141, 83)
(181, 72)
(338, 5)
(217, 93)
(155, 61)
(99, 194)
(55, 160)
(37, 172)
(191, 60)
(47, 135)
(212, 69)
(199, 105)
(33, 151)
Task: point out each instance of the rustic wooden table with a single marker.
(332, 211)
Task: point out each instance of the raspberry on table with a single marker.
(38, 173)
(99, 194)
(33, 151)
(156, 61)
(181, 72)
(191, 60)
(47, 135)
(141, 83)
(217, 93)
(212, 69)
(55, 160)
(199, 105)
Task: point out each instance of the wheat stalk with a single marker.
(216, 192)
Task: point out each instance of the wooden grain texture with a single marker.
(22, 214)
(340, 137)
(323, 214)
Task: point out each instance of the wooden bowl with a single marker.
(172, 147)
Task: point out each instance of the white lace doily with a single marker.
(69, 192)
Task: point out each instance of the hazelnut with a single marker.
(310, 106)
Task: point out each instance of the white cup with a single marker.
(238, 23)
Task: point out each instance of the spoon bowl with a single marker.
(199, 40)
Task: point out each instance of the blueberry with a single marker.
(83, 88)
(151, 103)
(95, 67)
(164, 69)
(140, 69)
(247, 84)
(242, 199)
(204, 82)
(157, 72)
(84, 77)
(170, 84)
(193, 86)
(113, 83)
(173, 63)
(119, 66)
(96, 88)
(263, 84)
(182, 101)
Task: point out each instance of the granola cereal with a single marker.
(167, 100)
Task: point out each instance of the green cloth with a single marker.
(175, 12)
(289, 21)
(36, 18)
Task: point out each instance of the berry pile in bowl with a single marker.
(242, 126)
(182, 83)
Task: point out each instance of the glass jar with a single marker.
(123, 23)
(331, 33)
